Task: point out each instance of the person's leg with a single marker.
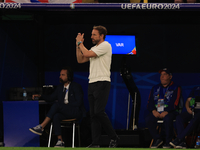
(98, 95)
(190, 127)
(58, 117)
(45, 122)
(101, 95)
(39, 128)
(64, 112)
(181, 119)
(151, 123)
(94, 122)
(168, 126)
(54, 108)
(179, 142)
(60, 137)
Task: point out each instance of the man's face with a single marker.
(63, 76)
(96, 37)
(165, 78)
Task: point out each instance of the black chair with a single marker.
(197, 129)
(74, 125)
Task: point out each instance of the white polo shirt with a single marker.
(100, 65)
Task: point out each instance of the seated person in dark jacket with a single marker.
(70, 102)
(162, 104)
(192, 115)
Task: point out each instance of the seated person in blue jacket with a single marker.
(70, 100)
(192, 115)
(163, 104)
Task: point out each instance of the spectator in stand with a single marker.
(163, 104)
(158, 1)
(171, 1)
(185, 1)
(69, 104)
(112, 1)
(192, 115)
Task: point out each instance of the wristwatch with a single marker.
(79, 42)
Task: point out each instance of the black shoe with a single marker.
(167, 145)
(114, 143)
(176, 142)
(157, 143)
(93, 146)
(182, 145)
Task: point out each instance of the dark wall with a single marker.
(164, 39)
(16, 68)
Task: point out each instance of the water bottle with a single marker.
(197, 142)
(24, 94)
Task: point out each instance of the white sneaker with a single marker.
(60, 144)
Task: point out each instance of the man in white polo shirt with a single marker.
(99, 82)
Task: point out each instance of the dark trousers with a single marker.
(98, 93)
(167, 126)
(184, 118)
(59, 112)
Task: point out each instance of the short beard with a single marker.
(63, 82)
(95, 41)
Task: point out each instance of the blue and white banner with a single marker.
(77, 5)
(42, 1)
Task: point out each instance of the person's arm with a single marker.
(75, 95)
(82, 53)
(156, 113)
(36, 96)
(86, 53)
(79, 56)
(187, 105)
(174, 101)
(173, 104)
(49, 98)
(53, 96)
(151, 105)
(163, 114)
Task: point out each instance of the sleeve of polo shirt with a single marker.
(101, 49)
(173, 104)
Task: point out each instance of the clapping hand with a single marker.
(79, 38)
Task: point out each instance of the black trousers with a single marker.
(166, 130)
(183, 118)
(98, 93)
(59, 112)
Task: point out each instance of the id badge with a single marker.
(160, 105)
